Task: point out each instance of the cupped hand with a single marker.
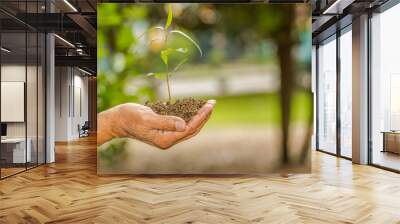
(140, 122)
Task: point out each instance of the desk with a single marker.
(13, 150)
(391, 141)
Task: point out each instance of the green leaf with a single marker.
(109, 15)
(167, 52)
(165, 55)
(180, 64)
(190, 39)
(158, 75)
(125, 38)
(182, 50)
(149, 30)
(169, 19)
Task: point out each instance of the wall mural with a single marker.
(204, 88)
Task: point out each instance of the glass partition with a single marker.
(327, 96)
(41, 96)
(22, 88)
(385, 89)
(31, 100)
(346, 93)
(14, 145)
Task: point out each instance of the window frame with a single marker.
(340, 30)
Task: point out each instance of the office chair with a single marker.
(84, 130)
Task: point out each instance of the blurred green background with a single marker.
(240, 67)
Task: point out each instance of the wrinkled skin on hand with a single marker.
(136, 121)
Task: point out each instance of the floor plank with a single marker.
(69, 191)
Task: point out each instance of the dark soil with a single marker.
(183, 108)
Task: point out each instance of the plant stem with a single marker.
(169, 91)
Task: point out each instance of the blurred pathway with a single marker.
(235, 150)
(241, 79)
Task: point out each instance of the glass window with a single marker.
(22, 92)
(32, 95)
(385, 89)
(15, 150)
(327, 96)
(346, 93)
(41, 98)
(314, 91)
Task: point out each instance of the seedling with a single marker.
(166, 52)
(184, 108)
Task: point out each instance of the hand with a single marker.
(140, 122)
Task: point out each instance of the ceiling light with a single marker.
(79, 51)
(64, 40)
(5, 50)
(70, 5)
(84, 71)
(337, 7)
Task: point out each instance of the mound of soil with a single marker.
(183, 108)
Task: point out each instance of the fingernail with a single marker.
(213, 102)
(209, 106)
(180, 125)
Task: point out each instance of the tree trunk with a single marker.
(286, 67)
(286, 62)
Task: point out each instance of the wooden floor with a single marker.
(387, 159)
(5, 172)
(69, 191)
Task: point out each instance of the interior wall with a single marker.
(33, 126)
(71, 102)
(62, 80)
(16, 73)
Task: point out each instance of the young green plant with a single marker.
(166, 52)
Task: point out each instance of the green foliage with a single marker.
(165, 55)
(116, 63)
(125, 38)
(302, 104)
(179, 65)
(114, 152)
(240, 33)
(108, 21)
(158, 75)
(169, 19)
(190, 39)
(261, 109)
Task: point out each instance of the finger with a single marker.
(212, 101)
(201, 116)
(159, 139)
(207, 107)
(196, 123)
(166, 123)
(194, 126)
(198, 129)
